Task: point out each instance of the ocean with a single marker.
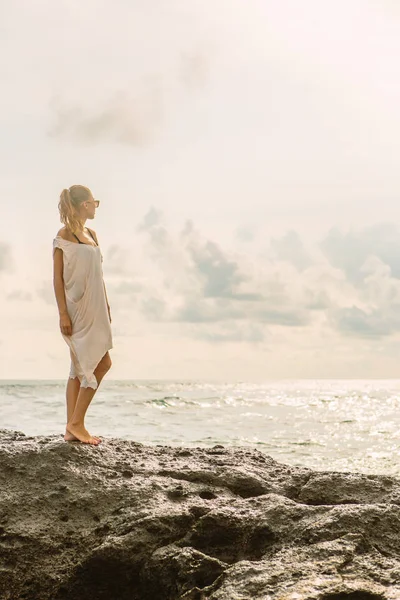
(331, 425)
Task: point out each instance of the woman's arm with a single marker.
(59, 290)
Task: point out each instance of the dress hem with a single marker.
(88, 383)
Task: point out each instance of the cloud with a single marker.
(6, 259)
(292, 316)
(349, 251)
(245, 234)
(204, 285)
(154, 309)
(290, 248)
(360, 323)
(370, 260)
(233, 332)
(217, 311)
(116, 260)
(220, 275)
(380, 288)
(377, 312)
(19, 295)
(152, 218)
(316, 299)
(128, 288)
(131, 116)
(46, 292)
(206, 310)
(127, 118)
(124, 294)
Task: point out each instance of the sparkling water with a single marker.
(342, 425)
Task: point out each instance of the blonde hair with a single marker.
(70, 201)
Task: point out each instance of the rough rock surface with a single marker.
(128, 521)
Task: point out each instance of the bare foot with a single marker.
(69, 437)
(82, 434)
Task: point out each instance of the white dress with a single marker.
(87, 307)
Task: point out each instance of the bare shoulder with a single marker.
(65, 234)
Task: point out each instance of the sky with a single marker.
(245, 154)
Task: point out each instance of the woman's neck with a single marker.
(82, 224)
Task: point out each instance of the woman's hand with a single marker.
(65, 324)
(109, 313)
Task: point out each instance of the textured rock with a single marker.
(128, 521)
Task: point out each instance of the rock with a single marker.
(128, 521)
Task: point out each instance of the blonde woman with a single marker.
(85, 318)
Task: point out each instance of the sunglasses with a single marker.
(95, 202)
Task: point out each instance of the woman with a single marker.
(85, 318)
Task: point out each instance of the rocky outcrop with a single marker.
(128, 521)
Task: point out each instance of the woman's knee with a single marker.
(108, 362)
(105, 363)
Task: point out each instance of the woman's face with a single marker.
(89, 208)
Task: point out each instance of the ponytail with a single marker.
(68, 206)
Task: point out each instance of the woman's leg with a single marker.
(75, 424)
(72, 391)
